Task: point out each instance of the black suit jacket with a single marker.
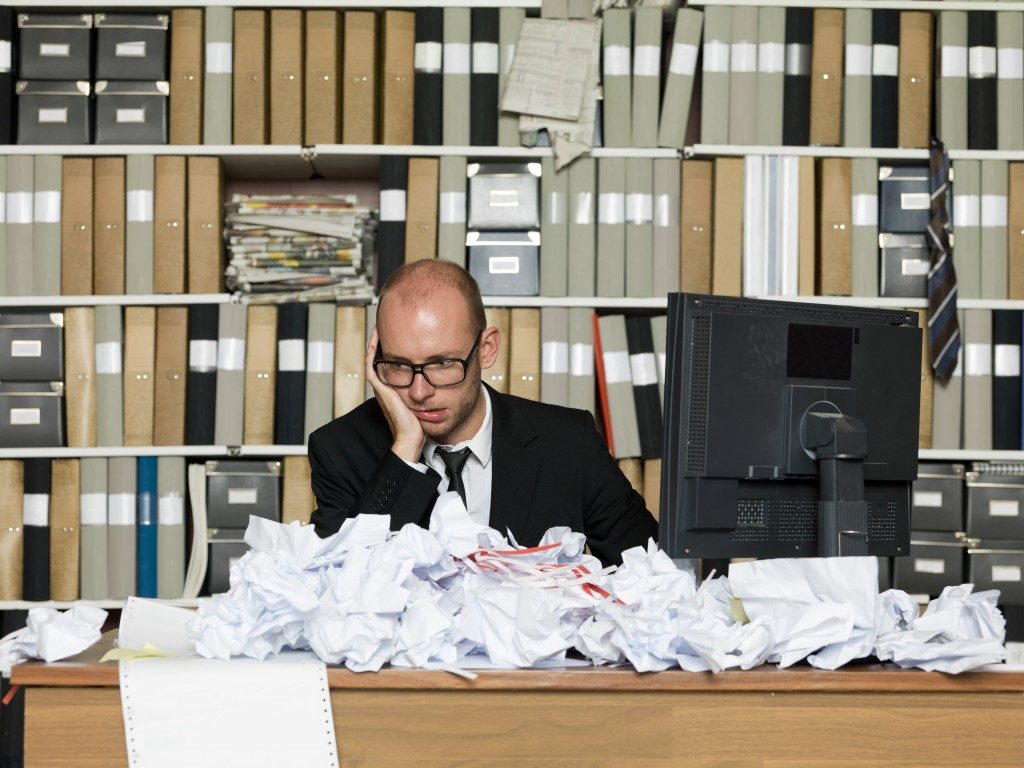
(550, 467)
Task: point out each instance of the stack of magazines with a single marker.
(300, 248)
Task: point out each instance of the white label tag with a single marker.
(202, 355)
(666, 211)
(743, 57)
(683, 60)
(583, 214)
(392, 205)
(5, 55)
(54, 50)
(581, 359)
(798, 59)
(320, 357)
(978, 359)
(452, 208)
(927, 565)
(26, 348)
(915, 201)
(503, 265)
(616, 368)
(427, 57)
(954, 61)
(993, 210)
(19, 208)
(616, 61)
(647, 60)
(485, 58)
(771, 58)
(1007, 360)
(456, 58)
(716, 56)
(1010, 63)
(241, 495)
(885, 60)
(52, 115)
(230, 354)
(1006, 573)
(644, 369)
(140, 205)
(291, 355)
(92, 509)
(108, 357)
(929, 499)
(981, 61)
(134, 115)
(3, 208)
(966, 211)
(503, 198)
(639, 208)
(46, 207)
(218, 58)
(121, 509)
(858, 60)
(611, 208)
(915, 267)
(1004, 508)
(135, 49)
(661, 366)
(171, 510)
(558, 204)
(25, 417)
(554, 357)
(35, 509)
(865, 210)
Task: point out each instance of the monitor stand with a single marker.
(840, 444)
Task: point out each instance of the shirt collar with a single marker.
(479, 445)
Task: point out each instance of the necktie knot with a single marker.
(454, 461)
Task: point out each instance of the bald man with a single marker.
(434, 426)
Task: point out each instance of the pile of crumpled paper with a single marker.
(459, 593)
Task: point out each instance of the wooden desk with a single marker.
(866, 715)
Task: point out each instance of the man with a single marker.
(433, 426)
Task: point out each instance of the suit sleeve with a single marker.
(393, 488)
(615, 517)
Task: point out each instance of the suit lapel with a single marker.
(514, 470)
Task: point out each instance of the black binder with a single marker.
(290, 405)
(202, 376)
(982, 106)
(483, 83)
(36, 580)
(796, 98)
(394, 178)
(426, 127)
(885, 30)
(7, 115)
(1006, 342)
(643, 366)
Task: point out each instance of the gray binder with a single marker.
(616, 77)
(451, 210)
(714, 114)
(554, 229)
(48, 172)
(1010, 83)
(951, 80)
(510, 21)
(646, 75)
(109, 384)
(138, 268)
(170, 533)
(582, 250)
(994, 244)
(771, 75)
(229, 421)
(319, 366)
(219, 57)
(639, 227)
(455, 82)
(857, 81)
(948, 403)
(743, 76)
(3, 227)
(864, 218)
(611, 226)
(93, 541)
(667, 172)
(554, 357)
(19, 225)
(659, 334)
(121, 517)
(581, 359)
(619, 383)
(977, 369)
(675, 104)
(371, 323)
(967, 227)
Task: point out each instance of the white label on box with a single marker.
(858, 60)
(915, 201)
(452, 208)
(140, 205)
(1010, 63)
(92, 509)
(26, 348)
(929, 499)
(108, 357)
(52, 115)
(616, 61)
(966, 210)
(927, 565)
(611, 208)
(554, 357)
(716, 56)
(647, 60)
(135, 49)
(583, 214)
(1007, 360)
(503, 198)
(954, 61)
(978, 359)
(35, 508)
(218, 58)
(885, 60)
(981, 61)
(135, 115)
(485, 58)
(639, 208)
(5, 55)
(993, 210)
(46, 207)
(581, 360)
(743, 57)
(683, 60)
(644, 369)
(1006, 573)
(915, 267)
(392, 205)
(1004, 508)
(865, 210)
(25, 417)
(231, 354)
(771, 58)
(241, 495)
(320, 357)
(427, 57)
(503, 265)
(291, 355)
(616, 368)
(202, 355)
(54, 50)
(19, 207)
(456, 58)
(170, 509)
(121, 509)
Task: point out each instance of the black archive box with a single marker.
(131, 46)
(505, 263)
(55, 46)
(54, 112)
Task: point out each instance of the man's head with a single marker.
(429, 310)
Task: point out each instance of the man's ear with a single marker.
(489, 343)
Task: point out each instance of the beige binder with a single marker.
(524, 353)
(185, 107)
(359, 78)
(286, 81)
(108, 225)
(727, 248)
(65, 529)
(171, 369)
(349, 359)
(398, 45)
(652, 486)
(139, 371)
(260, 374)
(299, 501)
(76, 227)
(695, 226)
(827, 77)
(927, 385)
(421, 209)
(169, 221)
(834, 269)
(12, 535)
(80, 376)
(915, 78)
(249, 87)
(323, 82)
(633, 469)
(497, 375)
(205, 222)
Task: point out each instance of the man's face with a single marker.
(438, 326)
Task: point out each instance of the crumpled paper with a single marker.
(51, 635)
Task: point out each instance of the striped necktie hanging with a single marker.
(943, 328)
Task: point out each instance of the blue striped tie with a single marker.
(943, 328)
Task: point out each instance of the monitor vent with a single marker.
(797, 521)
(808, 311)
(882, 522)
(750, 521)
(698, 363)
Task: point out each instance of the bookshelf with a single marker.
(873, 153)
(898, 5)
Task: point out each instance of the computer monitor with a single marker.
(791, 429)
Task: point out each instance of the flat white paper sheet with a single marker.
(207, 712)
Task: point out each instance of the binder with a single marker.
(616, 78)
(483, 85)
(643, 365)
(170, 375)
(646, 75)
(554, 229)
(205, 225)
(1015, 232)
(582, 385)
(924, 435)
(611, 227)
(715, 100)
(287, 42)
(756, 189)
(615, 382)
(398, 48)
(967, 227)
(524, 353)
(169, 224)
(394, 177)
(421, 209)
(1010, 80)
(139, 230)
(6, 76)
(827, 78)
(65, 531)
(18, 225)
(554, 370)
(217, 84)
(787, 270)
(695, 223)
(93, 518)
(260, 374)
(46, 205)
(652, 487)
(666, 225)
(109, 384)
(808, 228)
(139, 374)
(582, 255)
(455, 96)
(12, 535)
(249, 88)
(428, 85)
(864, 235)
(977, 341)
(3, 231)
(229, 412)
(451, 215)
(510, 22)
(319, 367)
(359, 69)
(322, 108)
(951, 80)
(771, 73)
(915, 78)
(290, 402)
(497, 375)
(76, 227)
(80, 376)
(994, 270)
(633, 470)
(885, 36)
(682, 67)
(36, 507)
(834, 274)
(170, 532)
(185, 103)
(727, 224)
(947, 403)
(982, 91)
(298, 499)
(857, 79)
(108, 225)
(121, 527)
(743, 76)
(146, 521)
(796, 113)
(201, 384)
(659, 331)
(349, 359)
(639, 227)
(1006, 393)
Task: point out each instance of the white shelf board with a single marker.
(270, 450)
(24, 605)
(948, 454)
(657, 302)
(901, 5)
(143, 300)
(115, 451)
(343, 4)
(742, 150)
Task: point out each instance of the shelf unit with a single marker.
(875, 153)
(344, 4)
(899, 5)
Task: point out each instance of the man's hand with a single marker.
(405, 427)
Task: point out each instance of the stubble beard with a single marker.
(459, 412)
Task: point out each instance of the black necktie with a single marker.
(454, 461)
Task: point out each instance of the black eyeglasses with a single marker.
(444, 372)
